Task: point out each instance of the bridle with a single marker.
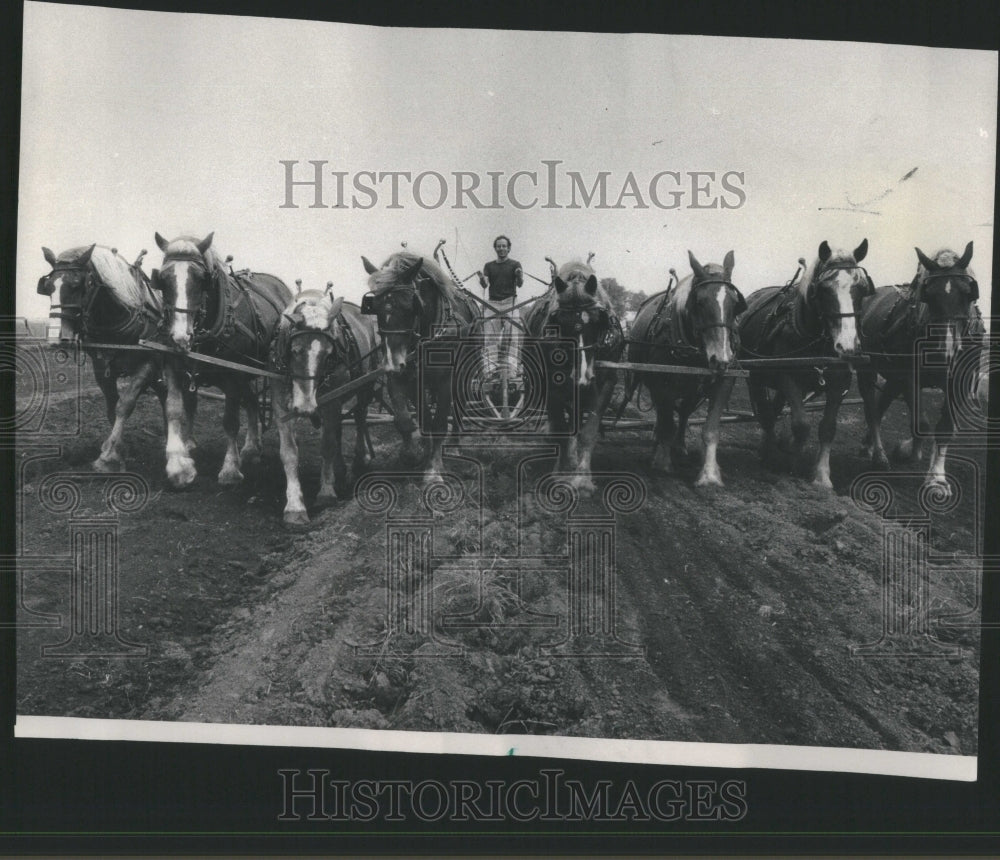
(198, 313)
(371, 302)
(698, 327)
(73, 311)
(827, 317)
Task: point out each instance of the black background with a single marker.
(64, 796)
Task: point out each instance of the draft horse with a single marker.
(416, 304)
(321, 344)
(815, 315)
(211, 310)
(576, 308)
(98, 297)
(935, 315)
(693, 325)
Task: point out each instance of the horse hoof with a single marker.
(823, 483)
(583, 484)
(109, 464)
(327, 499)
(433, 477)
(181, 472)
(296, 520)
(939, 487)
(191, 445)
(707, 479)
(249, 456)
(229, 477)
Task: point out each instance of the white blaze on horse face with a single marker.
(717, 344)
(586, 368)
(179, 329)
(304, 390)
(846, 337)
(395, 356)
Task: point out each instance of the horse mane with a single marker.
(116, 273)
(188, 246)
(387, 277)
(839, 255)
(310, 305)
(683, 289)
(946, 258)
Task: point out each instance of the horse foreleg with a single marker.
(295, 508)
(110, 459)
(191, 411)
(719, 398)
(180, 466)
(250, 452)
(688, 403)
(230, 472)
(401, 414)
(663, 434)
(108, 383)
(789, 389)
(943, 432)
(583, 479)
(333, 476)
(439, 430)
(874, 410)
(361, 456)
(763, 409)
(912, 448)
(827, 432)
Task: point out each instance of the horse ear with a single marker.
(161, 242)
(84, 258)
(335, 308)
(50, 258)
(728, 264)
(824, 252)
(205, 243)
(412, 272)
(861, 251)
(926, 261)
(696, 267)
(591, 285)
(369, 267)
(966, 257)
(560, 285)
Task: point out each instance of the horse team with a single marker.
(796, 339)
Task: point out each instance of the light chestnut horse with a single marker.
(321, 344)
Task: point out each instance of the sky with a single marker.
(140, 122)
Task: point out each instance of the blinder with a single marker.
(45, 286)
(368, 304)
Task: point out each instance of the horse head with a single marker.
(396, 300)
(948, 288)
(67, 282)
(834, 286)
(582, 313)
(305, 343)
(709, 306)
(186, 280)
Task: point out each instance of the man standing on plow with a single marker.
(502, 277)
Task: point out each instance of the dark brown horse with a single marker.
(936, 314)
(99, 297)
(577, 308)
(321, 344)
(813, 316)
(214, 311)
(693, 325)
(416, 304)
